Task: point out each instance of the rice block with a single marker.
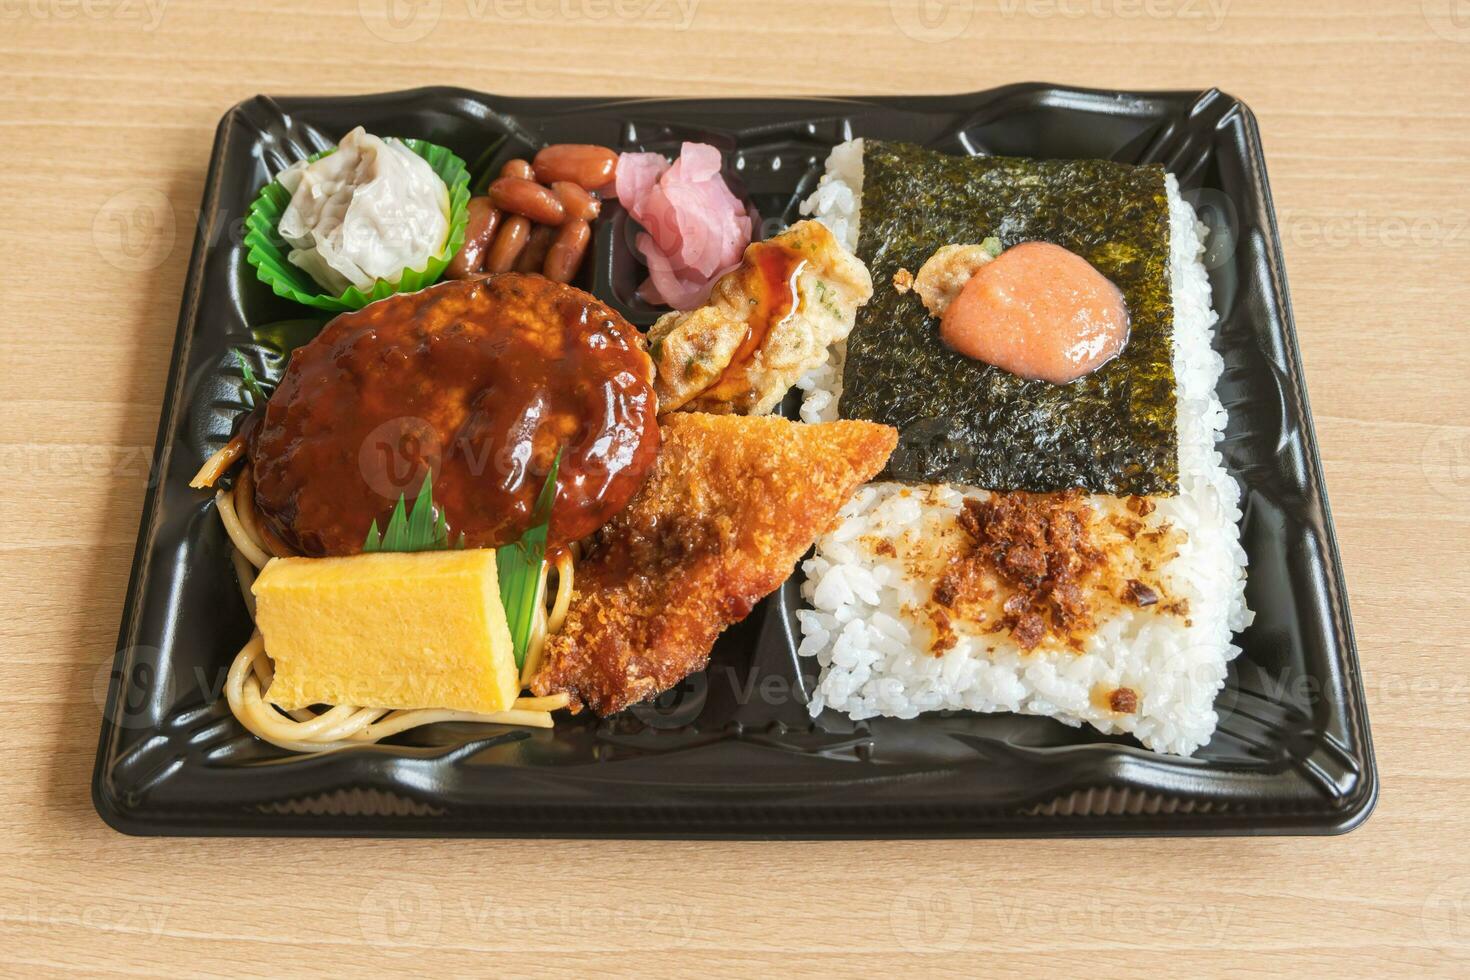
(1155, 659)
(387, 630)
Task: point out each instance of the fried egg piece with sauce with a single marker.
(768, 322)
(944, 274)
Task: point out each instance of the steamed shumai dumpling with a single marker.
(369, 211)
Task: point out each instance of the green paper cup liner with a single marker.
(267, 251)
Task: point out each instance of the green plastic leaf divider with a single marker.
(417, 530)
(518, 565)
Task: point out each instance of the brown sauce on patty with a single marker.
(481, 382)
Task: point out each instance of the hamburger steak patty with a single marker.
(481, 382)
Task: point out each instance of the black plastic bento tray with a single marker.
(732, 751)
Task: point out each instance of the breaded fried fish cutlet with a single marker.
(731, 506)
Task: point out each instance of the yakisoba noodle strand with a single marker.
(217, 465)
(224, 501)
(544, 623)
(342, 726)
(243, 499)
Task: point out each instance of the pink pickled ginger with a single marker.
(694, 229)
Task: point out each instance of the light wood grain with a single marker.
(1367, 131)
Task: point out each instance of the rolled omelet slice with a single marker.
(387, 630)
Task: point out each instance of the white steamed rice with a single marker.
(872, 644)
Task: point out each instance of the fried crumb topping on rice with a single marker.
(1045, 568)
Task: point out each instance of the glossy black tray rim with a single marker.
(731, 817)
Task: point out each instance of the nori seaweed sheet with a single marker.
(964, 421)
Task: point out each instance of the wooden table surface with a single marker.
(109, 107)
